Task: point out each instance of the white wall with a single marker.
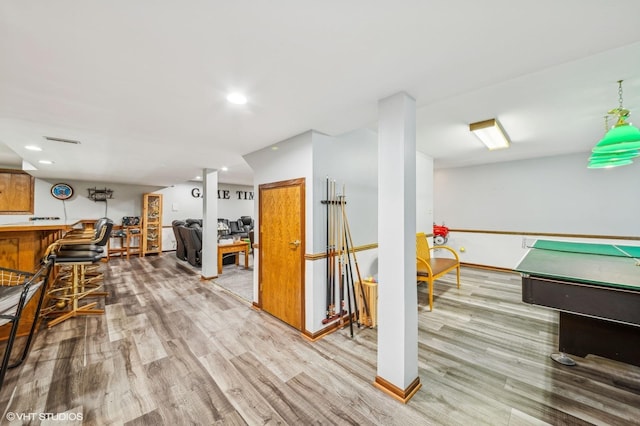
(424, 193)
(351, 160)
(291, 160)
(185, 201)
(126, 201)
(553, 194)
(178, 203)
(546, 195)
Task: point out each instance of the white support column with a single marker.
(210, 224)
(397, 293)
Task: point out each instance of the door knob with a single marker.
(295, 243)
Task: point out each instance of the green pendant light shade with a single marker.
(609, 164)
(622, 137)
(612, 159)
(615, 160)
(620, 144)
(614, 156)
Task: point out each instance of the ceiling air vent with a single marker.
(50, 138)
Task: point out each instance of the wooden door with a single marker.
(281, 250)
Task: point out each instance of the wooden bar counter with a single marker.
(22, 246)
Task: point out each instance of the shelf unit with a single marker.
(151, 224)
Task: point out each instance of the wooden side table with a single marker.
(370, 289)
(241, 246)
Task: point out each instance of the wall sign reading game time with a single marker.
(224, 194)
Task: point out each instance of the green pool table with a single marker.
(595, 288)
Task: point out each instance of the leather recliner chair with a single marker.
(181, 249)
(236, 230)
(246, 222)
(192, 236)
(191, 222)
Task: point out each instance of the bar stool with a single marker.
(69, 289)
(96, 244)
(88, 240)
(67, 296)
(87, 231)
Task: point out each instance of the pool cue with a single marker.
(365, 303)
(328, 282)
(350, 269)
(341, 267)
(346, 288)
(336, 253)
(331, 253)
(351, 290)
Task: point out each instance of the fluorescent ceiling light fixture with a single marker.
(491, 133)
(33, 148)
(45, 162)
(237, 98)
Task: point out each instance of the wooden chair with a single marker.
(127, 241)
(431, 268)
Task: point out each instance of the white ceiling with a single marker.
(142, 84)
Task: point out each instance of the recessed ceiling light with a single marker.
(33, 148)
(198, 177)
(224, 169)
(45, 162)
(237, 98)
(274, 148)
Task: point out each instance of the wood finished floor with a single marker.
(172, 349)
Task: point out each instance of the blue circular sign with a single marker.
(61, 191)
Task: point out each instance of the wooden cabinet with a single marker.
(16, 192)
(151, 223)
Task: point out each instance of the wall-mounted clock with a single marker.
(61, 191)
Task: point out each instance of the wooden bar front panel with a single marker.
(22, 248)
